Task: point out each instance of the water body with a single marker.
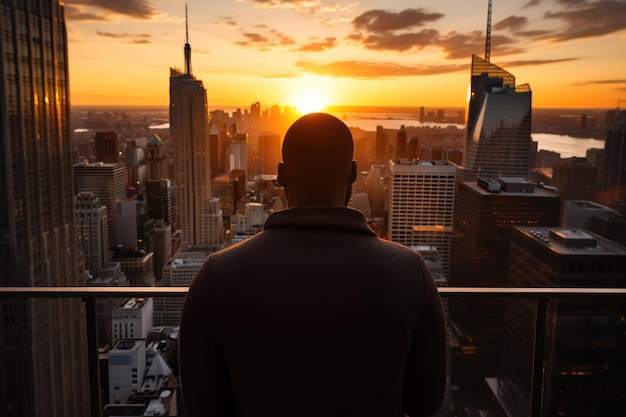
(567, 146)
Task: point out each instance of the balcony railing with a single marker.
(542, 297)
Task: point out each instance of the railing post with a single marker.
(92, 356)
(536, 395)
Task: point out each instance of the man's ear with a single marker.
(353, 172)
(281, 175)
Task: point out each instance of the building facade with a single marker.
(189, 136)
(420, 204)
(43, 348)
(108, 182)
(585, 340)
(499, 113)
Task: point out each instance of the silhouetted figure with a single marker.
(315, 315)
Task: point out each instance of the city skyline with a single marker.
(343, 53)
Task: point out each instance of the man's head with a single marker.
(317, 167)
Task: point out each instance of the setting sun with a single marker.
(309, 103)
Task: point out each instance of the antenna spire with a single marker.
(187, 46)
(488, 38)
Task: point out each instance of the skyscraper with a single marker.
(189, 136)
(269, 153)
(498, 139)
(106, 147)
(614, 179)
(585, 340)
(108, 182)
(43, 349)
(420, 202)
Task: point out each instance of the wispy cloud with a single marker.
(370, 70)
(266, 39)
(596, 82)
(133, 39)
(226, 21)
(535, 62)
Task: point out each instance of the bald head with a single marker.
(317, 165)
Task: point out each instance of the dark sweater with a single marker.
(314, 316)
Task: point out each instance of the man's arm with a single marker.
(203, 370)
(425, 375)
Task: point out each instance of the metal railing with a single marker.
(542, 296)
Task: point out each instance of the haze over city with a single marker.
(310, 53)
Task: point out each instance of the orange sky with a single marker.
(389, 53)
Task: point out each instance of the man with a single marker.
(315, 315)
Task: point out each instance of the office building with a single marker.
(132, 319)
(161, 200)
(127, 368)
(579, 214)
(162, 247)
(229, 189)
(43, 349)
(108, 182)
(420, 203)
(584, 361)
(401, 144)
(135, 229)
(178, 272)
(575, 179)
(91, 223)
(215, 151)
(189, 136)
(498, 139)
(106, 147)
(157, 159)
(238, 153)
(613, 184)
(485, 212)
(269, 153)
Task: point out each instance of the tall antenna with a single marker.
(187, 25)
(187, 46)
(488, 39)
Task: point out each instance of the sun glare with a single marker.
(309, 103)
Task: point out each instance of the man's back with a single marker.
(315, 316)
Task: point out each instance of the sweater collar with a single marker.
(333, 217)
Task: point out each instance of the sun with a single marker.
(309, 102)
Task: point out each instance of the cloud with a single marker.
(396, 42)
(370, 70)
(595, 82)
(268, 41)
(381, 30)
(531, 3)
(535, 62)
(382, 21)
(511, 23)
(533, 33)
(79, 14)
(318, 46)
(589, 20)
(136, 9)
(133, 39)
(226, 21)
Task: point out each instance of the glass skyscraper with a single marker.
(43, 349)
(498, 124)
